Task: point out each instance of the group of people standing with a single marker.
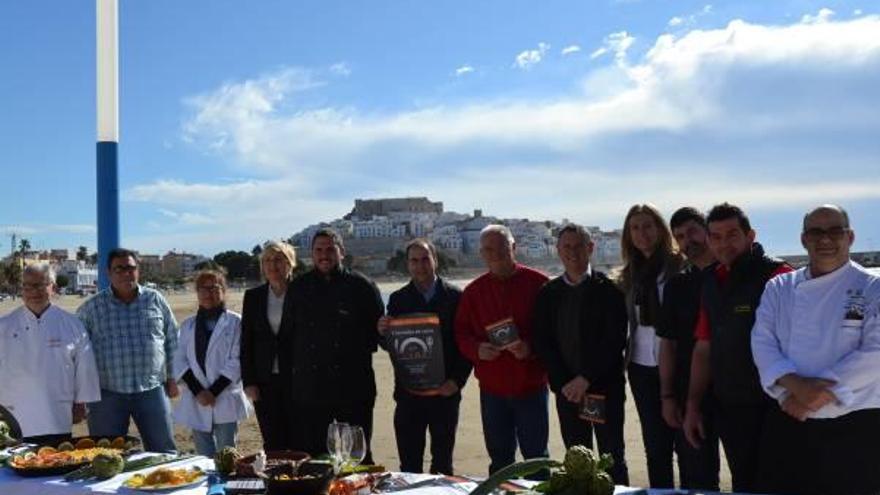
(717, 340)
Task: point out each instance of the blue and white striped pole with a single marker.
(108, 134)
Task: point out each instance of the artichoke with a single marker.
(580, 462)
(224, 460)
(107, 465)
(601, 484)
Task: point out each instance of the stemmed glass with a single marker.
(358, 446)
(338, 443)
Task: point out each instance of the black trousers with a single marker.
(657, 436)
(609, 436)
(315, 418)
(820, 456)
(740, 428)
(698, 468)
(275, 415)
(412, 418)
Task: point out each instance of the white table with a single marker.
(13, 484)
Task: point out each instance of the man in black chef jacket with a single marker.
(335, 314)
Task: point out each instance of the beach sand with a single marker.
(470, 453)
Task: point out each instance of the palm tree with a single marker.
(24, 246)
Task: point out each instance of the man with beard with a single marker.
(698, 468)
(722, 355)
(334, 338)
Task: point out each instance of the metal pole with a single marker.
(108, 134)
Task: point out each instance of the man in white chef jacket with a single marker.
(816, 343)
(47, 369)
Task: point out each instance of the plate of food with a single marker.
(67, 456)
(166, 479)
(49, 461)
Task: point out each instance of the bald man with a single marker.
(816, 343)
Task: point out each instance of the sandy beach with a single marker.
(470, 454)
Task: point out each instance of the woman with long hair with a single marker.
(650, 258)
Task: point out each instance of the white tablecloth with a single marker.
(13, 484)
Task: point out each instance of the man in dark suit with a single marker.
(266, 339)
(335, 311)
(435, 410)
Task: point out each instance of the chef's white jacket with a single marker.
(46, 364)
(824, 327)
(222, 357)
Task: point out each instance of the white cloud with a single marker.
(340, 69)
(570, 49)
(598, 52)
(529, 58)
(691, 19)
(694, 115)
(44, 228)
(824, 15)
(187, 218)
(464, 69)
(617, 43)
(857, 12)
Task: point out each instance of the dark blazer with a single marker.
(259, 345)
(444, 304)
(334, 338)
(602, 327)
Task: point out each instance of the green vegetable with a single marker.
(601, 484)
(580, 462)
(224, 460)
(107, 465)
(515, 470)
(65, 446)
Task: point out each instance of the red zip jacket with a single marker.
(488, 300)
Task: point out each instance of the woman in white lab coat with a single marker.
(207, 361)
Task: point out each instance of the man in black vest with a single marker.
(580, 334)
(334, 337)
(698, 468)
(722, 355)
(435, 410)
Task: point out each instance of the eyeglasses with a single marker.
(816, 234)
(30, 286)
(125, 268)
(210, 288)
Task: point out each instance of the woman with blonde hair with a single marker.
(650, 258)
(266, 338)
(207, 361)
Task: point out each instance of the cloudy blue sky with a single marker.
(242, 121)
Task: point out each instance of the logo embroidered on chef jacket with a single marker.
(854, 306)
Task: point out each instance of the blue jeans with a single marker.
(507, 421)
(151, 412)
(209, 443)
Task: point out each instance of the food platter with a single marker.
(163, 479)
(54, 460)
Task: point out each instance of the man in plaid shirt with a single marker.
(134, 336)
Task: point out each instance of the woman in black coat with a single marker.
(266, 333)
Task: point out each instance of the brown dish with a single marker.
(245, 465)
(312, 478)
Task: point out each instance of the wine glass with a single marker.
(338, 443)
(358, 446)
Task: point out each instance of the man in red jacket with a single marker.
(493, 329)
